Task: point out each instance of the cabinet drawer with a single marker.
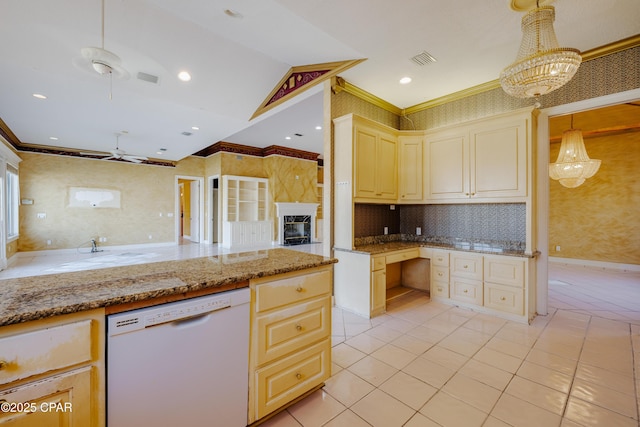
(378, 263)
(466, 265)
(281, 382)
(403, 256)
(440, 274)
(439, 289)
(269, 295)
(31, 353)
(439, 257)
(284, 331)
(504, 298)
(503, 270)
(469, 291)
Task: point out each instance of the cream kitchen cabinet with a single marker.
(504, 283)
(52, 371)
(378, 285)
(245, 211)
(375, 163)
(290, 344)
(439, 286)
(465, 277)
(410, 160)
(483, 160)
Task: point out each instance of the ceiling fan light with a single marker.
(541, 65)
(101, 67)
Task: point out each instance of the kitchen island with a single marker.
(53, 328)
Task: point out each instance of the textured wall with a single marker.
(146, 191)
(370, 220)
(600, 220)
(344, 103)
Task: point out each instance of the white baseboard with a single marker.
(597, 264)
(88, 250)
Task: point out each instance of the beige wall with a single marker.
(146, 191)
(600, 220)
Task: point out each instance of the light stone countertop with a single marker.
(382, 247)
(37, 297)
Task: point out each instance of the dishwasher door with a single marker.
(180, 364)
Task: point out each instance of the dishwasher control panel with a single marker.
(147, 317)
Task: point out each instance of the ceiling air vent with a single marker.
(187, 133)
(423, 58)
(147, 77)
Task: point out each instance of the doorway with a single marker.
(214, 209)
(189, 209)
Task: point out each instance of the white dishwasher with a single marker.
(180, 364)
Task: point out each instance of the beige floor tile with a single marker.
(473, 392)
(419, 420)
(381, 410)
(353, 329)
(498, 359)
(486, 374)
(384, 333)
(448, 411)
(552, 361)
(335, 368)
(429, 372)
(508, 347)
(409, 390)
(372, 370)
(545, 376)
(605, 397)
(345, 356)
(568, 423)
(519, 413)
(445, 357)
(588, 414)
(537, 394)
(485, 324)
(616, 381)
(494, 422)
(613, 361)
(283, 419)
(365, 343)
(519, 333)
(347, 388)
(347, 419)
(316, 409)
(400, 324)
(394, 356)
(412, 344)
(426, 333)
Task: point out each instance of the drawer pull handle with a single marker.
(299, 327)
(439, 289)
(465, 266)
(502, 299)
(440, 274)
(465, 291)
(298, 375)
(299, 289)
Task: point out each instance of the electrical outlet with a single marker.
(386, 230)
(418, 231)
(557, 248)
(41, 215)
(150, 237)
(392, 207)
(48, 242)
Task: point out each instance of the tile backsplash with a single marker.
(478, 222)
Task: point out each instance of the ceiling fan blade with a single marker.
(94, 153)
(110, 158)
(134, 159)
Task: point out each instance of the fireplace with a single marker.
(296, 223)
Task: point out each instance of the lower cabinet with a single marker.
(52, 371)
(378, 285)
(246, 233)
(290, 345)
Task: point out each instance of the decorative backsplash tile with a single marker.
(370, 220)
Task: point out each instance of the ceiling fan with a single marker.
(118, 154)
(100, 60)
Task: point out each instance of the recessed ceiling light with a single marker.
(39, 96)
(233, 13)
(287, 137)
(53, 138)
(405, 80)
(318, 127)
(184, 76)
(195, 128)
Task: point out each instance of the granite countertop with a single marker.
(376, 248)
(31, 298)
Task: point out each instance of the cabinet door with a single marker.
(447, 161)
(410, 168)
(61, 400)
(378, 292)
(386, 172)
(365, 163)
(499, 159)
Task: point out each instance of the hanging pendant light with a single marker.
(573, 165)
(541, 65)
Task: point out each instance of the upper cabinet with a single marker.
(375, 163)
(410, 147)
(484, 159)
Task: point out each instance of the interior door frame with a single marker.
(210, 208)
(177, 205)
(542, 200)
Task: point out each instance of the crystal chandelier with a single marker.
(573, 165)
(541, 66)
